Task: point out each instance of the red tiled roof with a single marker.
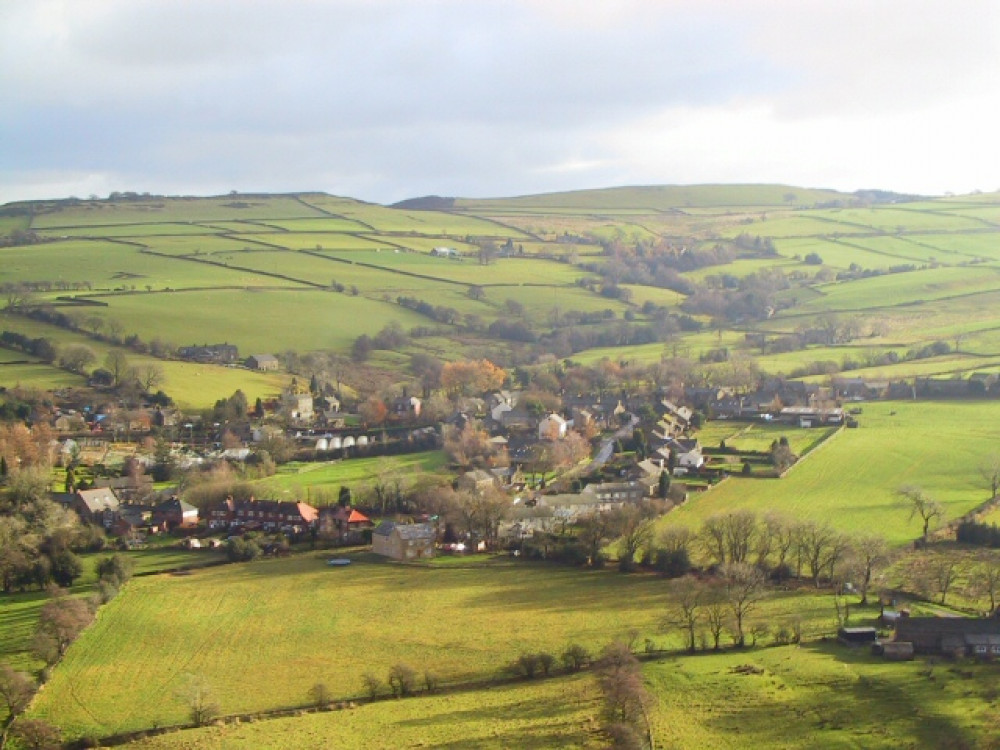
(358, 517)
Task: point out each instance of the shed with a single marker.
(896, 650)
(857, 636)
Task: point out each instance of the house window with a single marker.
(980, 649)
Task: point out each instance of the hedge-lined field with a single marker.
(851, 481)
(263, 633)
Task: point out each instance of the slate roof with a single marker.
(99, 500)
(407, 531)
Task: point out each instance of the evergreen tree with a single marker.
(663, 487)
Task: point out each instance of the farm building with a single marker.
(807, 416)
(262, 362)
(857, 636)
(413, 541)
(951, 636)
(214, 353)
(99, 507)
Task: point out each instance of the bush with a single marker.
(575, 657)
(320, 696)
(545, 661)
(373, 685)
(243, 550)
(526, 665)
(672, 563)
(402, 680)
(115, 570)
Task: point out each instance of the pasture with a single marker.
(803, 697)
(309, 481)
(263, 633)
(555, 713)
(248, 240)
(851, 482)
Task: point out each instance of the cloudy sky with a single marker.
(388, 99)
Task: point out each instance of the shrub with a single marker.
(320, 696)
(575, 657)
(373, 685)
(402, 680)
(526, 665)
(545, 661)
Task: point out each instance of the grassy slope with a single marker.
(547, 714)
(851, 481)
(263, 633)
(356, 474)
(817, 695)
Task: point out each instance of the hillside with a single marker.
(616, 273)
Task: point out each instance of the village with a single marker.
(549, 465)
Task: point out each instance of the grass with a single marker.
(817, 696)
(851, 481)
(252, 631)
(302, 479)
(559, 713)
(301, 320)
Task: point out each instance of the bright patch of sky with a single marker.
(385, 99)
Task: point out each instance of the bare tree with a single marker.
(60, 621)
(575, 657)
(713, 538)
(739, 530)
(76, 357)
(989, 470)
(16, 689)
(35, 734)
(927, 508)
(594, 531)
(943, 573)
(620, 677)
(744, 587)
(636, 533)
(373, 685)
(201, 704)
(984, 581)
(822, 548)
(784, 539)
(149, 375)
(117, 364)
(480, 513)
(870, 553)
(716, 614)
(687, 595)
(320, 695)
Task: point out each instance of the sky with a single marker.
(383, 100)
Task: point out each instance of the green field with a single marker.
(851, 481)
(301, 479)
(465, 622)
(561, 713)
(815, 696)
(247, 242)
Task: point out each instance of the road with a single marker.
(608, 445)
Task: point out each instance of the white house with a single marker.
(552, 427)
(686, 453)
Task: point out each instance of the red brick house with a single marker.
(265, 515)
(175, 514)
